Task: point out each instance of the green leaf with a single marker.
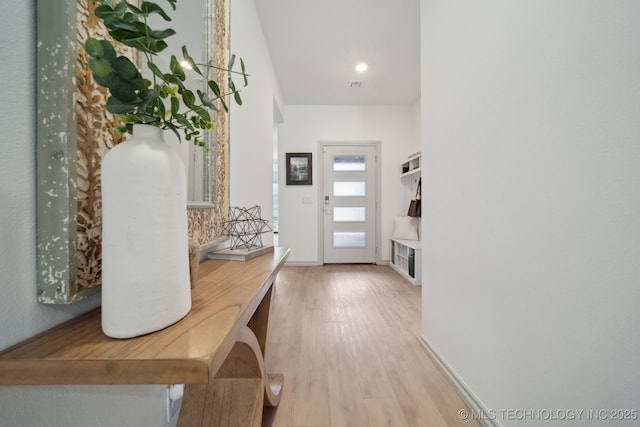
(100, 49)
(149, 97)
(148, 8)
(100, 67)
(116, 23)
(172, 127)
(94, 47)
(244, 73)
(110, 80)
(147, 44)
(125, 92)
(202, 113)
(154, 69)
(190, 60)
(175, 105)
(161, 34)
(182, 119)
(236, 94)
(129, 17)
(103, 11)
(161, 109)
(116, 106)
(128, 71)
(135, 40)
(170, 78)
(215, 88)
(120, 8)
(224, 104)
(188, 98)
(110, 53)
(207, 101)
(176, 68)
(172, 3)
(133, 8)
(127, 128)
(122, 37)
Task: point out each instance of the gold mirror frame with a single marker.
(73, 133)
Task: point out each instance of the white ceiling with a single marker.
(315, 45)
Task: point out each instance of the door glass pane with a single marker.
(348, 189)
(349, 239)
(348, 214)
(349, 163)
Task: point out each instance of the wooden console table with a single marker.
(217, 350)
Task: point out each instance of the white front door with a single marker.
(349, 202)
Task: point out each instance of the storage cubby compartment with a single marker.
(412, 165)
(404, 254)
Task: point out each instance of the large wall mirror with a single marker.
(191, 15)
(74, 131)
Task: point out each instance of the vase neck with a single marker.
(141, 131)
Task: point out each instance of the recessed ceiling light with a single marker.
(186, 65)
(361, 67)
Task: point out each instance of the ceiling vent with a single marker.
(356, 83)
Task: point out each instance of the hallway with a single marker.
(346, 338)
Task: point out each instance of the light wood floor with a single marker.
(346, 338)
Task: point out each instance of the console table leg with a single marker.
(233, 402)
(259, 323)
(238, 393)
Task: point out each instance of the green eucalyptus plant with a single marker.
(164, 101)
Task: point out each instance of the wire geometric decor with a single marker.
(246, 227)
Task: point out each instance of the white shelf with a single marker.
(412, 172)
(412, 166)
(406, 255)
(413, 244)
(406, 259)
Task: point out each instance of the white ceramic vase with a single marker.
(145, 252)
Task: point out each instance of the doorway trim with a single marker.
(320, 177)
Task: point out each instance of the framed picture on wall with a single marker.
(299, 170)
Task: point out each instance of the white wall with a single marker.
(20, 315)
(304, 126)
(252, 124)
(531, 143)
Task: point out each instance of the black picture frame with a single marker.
(299, 169)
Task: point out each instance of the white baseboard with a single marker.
(317, 263)
(302, 263)
(472, 401)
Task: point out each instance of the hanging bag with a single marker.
(415, 207)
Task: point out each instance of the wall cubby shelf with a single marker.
(412, 166)
(406, 256)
